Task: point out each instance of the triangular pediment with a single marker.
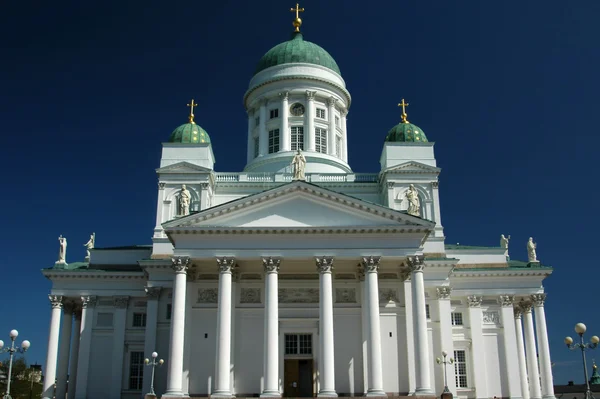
(299, 205)
(183, 167)
(413, 167)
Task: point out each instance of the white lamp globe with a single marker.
(568, 340)
(580, 328)
(444, 353)
(161, 361)
(14, 334)
(1, 344)
(595, 339)
(154, 355)
(25, 345)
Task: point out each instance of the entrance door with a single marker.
(298, 378)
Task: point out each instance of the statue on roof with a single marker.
(298, 166)
(504, 241)
(184, 201)
(531, 253)
(414, 204)
(90, 245)
(62, 251)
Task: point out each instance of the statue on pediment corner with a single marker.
(531, 250)
(90, 245)
(62, 251)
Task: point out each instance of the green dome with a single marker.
(189, 133)
(297, 50)
(405, 132)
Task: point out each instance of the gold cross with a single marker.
(192, 104)
(404, 104)
(297, 22)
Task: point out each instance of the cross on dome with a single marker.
(192, 104)
(297, 22)
(404, 104)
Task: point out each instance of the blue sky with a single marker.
(507, 90)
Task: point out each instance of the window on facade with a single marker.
(169, 310)
(320, 113)
(338, 146)
(273, 141)
(457, 319)
(274, 113)
(298, 344)
(427, 311)
(337, 121)
(257, 121)
(136, 370)
(139, 319)
(256, 143)
(297, 138)
(321, 140)
(460, 368)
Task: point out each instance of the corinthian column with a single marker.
(475, 321)
(521, 352)
(72, 386)
(285, 135)
(327, 373)
(65, 345)
(543, 347)
(175, 375)
(532, 364)
(309, 132)
(422, 377)
(119, 324)
(263, 142)
(50, 369)
(370, 267)
(85, 345)
(223, 371)
(331, 133)
(271, 370)
(510, 346)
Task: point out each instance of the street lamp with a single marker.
(153, 364)
(446, 393)
(24, 346)
(593, 344)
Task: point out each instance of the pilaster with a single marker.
(477, 345)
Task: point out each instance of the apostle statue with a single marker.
(298, 165)
(414, 204)
(62, 251)
(504, 241)
(90, 245)
(531, 247)
(184, 201)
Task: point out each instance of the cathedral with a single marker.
(298, 276)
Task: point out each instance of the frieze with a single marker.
(388, 295)
(250, 295)
(298, 295)
(345, 295)
(388, 276)
(345, 276)
(491, 317)
(292, 276)
(207, 295)
(251, 276)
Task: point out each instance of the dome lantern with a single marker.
(190, 133)
(406, 132)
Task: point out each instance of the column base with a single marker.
(221, 394)
(270, 394)
(424, 392)
(376, 393)
(327, 394)
(175, 395)
(548, 397)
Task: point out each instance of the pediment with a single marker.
(183, 167)
(299, 205)
(413, 167)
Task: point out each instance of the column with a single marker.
(72, 386)
(544, 348)
(422, 375)
(437, 215)
(119, 324)
(410, 332)
(327, 373)
(344, 136)
(85, 345)
(223, 348)
(375, 376)
(445, 334)
(158, 230)
(477, 345)
(309, 129)
(532, 364)
(250, 145)
(284, 132)
(263, 142)
(521, 352)
(331, 133)
(175, 374)
(152, 296)
(510, 346)
(63, 351)
(364, 315)
(271, 367)
(52, 354)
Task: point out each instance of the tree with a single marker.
(21, 385)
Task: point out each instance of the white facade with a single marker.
(276, 287)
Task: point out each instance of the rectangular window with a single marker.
(337, 121)
(298, 344)
(139, 319)
(338, 146)
(457, 319)
(136, 370)
(256, 143)
(320, 113)
(321, 140)
(169, 310)
(257, 121)
(297, 138)
(273, 141)
(274, 113)
(460, 369)
(427, 311)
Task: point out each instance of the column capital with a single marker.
(405, 274)
(525, 306)
(370, 264)
(88, 301)
(271, 264)
(152, 292)
(56, 301)
(284, 95)
(180, 264)
(120, 302)
(474, 301)
(324, 264)
(538, 300)
(506, 301)
(416, 263)
(161, 185)
(310, 95)
(443, 292)
(68, 307)
(331, 101)
(226, 264)
(518, 312)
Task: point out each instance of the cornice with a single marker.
(209, 230)
(99, 275)
(500, 273)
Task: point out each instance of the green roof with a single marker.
(297, 50)
(189, 133)
(405, 132)
(457, 246)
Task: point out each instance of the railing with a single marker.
(266, 177)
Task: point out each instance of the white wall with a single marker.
(99, 374)
(203, 345)
(389, 351)
(249, 351)
(347, 329)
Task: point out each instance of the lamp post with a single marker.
(445, 362)
(580, 329)
(154, 363)
(11, 350)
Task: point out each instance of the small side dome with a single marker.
(405, 132)
(189, 133)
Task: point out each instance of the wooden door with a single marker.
(291, 374)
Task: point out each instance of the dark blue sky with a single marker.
(507, 90)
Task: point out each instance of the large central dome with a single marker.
(297, 50)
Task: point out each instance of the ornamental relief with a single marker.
(208, 295)
(298, 295)
(345, 295)
(491, 317)
(250, 295)
(387, 295)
